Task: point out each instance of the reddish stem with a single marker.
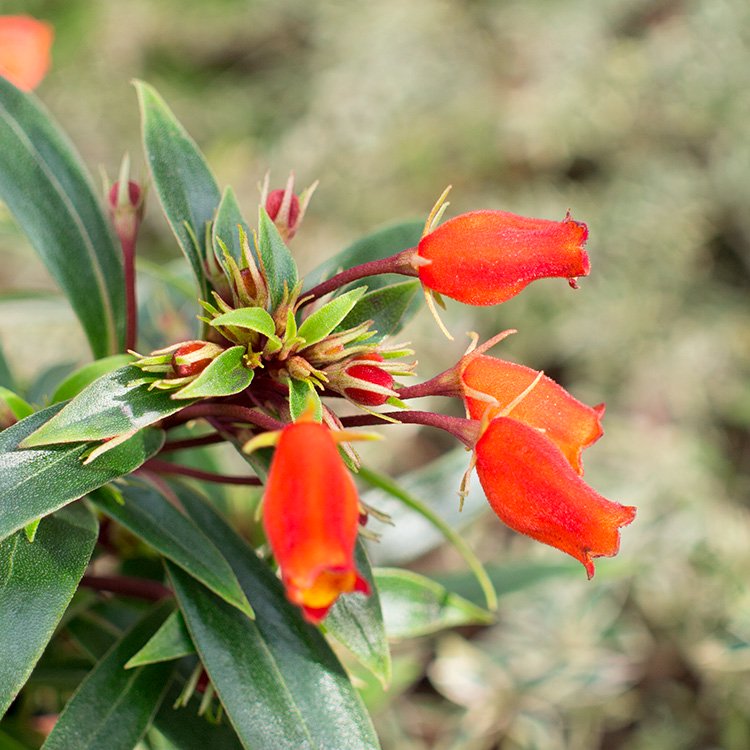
(131, 305)
(233, 412)
(399, 263)
(465, 430)
(140, 588)
(167, 467)
(196, 442)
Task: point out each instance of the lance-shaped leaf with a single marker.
(389, 308)
(186, 188)
(37, 582)
(84, 376)
(51, 196)
(284, 667)
(356, 621)
(36, 482)
(251, 318)
(302, 395)
(323, 321)
(112, 405)
(170, 641)
(150, 516)
(381, 244)
(12, 407)
(278, 263)
(224, 376)
(114, 706)
(228, 218)
(414, 605)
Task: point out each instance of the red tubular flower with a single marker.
(311, 515)
(568, 423)
(534, 490)
(25, 45)
(487, 257)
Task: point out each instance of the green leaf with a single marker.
(273, 691)
(113, 706)
(110, 406)
(77, 381)
(228, 217)
(252, 318)
(356, 622)
(6, 375)
(413, 605)
(150, 516)
(381, 244)
(51, 196)
(225, 376)
(182, 179)
(36, 482)
(31, 528)
(278, 263)
(301, 394)
(323, 321)
(12, 407)
(170, 641)
(37, 582)
(389, 307)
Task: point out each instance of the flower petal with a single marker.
(487, 257)
(25, 45)
(534, 490)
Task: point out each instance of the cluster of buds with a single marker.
(279, 359)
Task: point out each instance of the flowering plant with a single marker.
(288, 372)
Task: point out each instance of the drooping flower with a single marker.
(25, 45)
(534, 490)
(487, 257)
(492, 387)
(311, 516)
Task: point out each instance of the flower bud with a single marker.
(193, 357)
(285, 214)
(126, 210)
(487, 257)
(370, 373)
(25, 45)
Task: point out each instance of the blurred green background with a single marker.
(634, 115)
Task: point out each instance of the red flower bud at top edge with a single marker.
(25, 45)
(487, 257)
(568, 423)
(311, 517)
(372, 374)
(534, 490)
(287, 224)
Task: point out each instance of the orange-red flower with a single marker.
(547, 406)
(534, 490)
(25, 45)
(311, 516)
(487, 257)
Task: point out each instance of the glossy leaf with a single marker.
(51, 196)
(301, 394)
(114, 706)
(36, 482)
(389, 308)
(228, 218)
(170, 641)
(182, 179)
(381, 244)
(77, 381)
(150, 516)
(316, 327)
(12, 407)
(277, 260)
(356, 621)
(110, 406)
(413, 605)
(252, 318)
(286, 671)
(37, 582)
(225, 376)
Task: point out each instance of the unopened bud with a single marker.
(126, 209)
(370, 373)
(193, 357)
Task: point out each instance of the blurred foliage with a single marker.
(634, 115)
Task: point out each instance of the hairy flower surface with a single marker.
(25, 45)
(311, 517)
(487, 257)
(534, 490)
(547, 406)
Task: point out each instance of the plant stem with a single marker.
(140, 588)
(167, 467)
(233, 412)
(196, 442)
(466, 430)
(131, 304)
(399, 263)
